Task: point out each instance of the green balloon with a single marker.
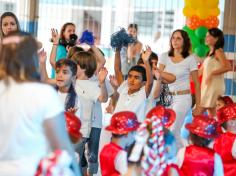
(188, 30)
(201, 32)
(200, 50)
(194, 40)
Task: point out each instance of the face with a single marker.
(64, 77)
(8, 25)
(132, 31)
(210, 40)
(177, 40)
(135, 81)
(154, 64)
(70, 29)
(219, 104)
(80, 71)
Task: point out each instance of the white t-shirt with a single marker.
(181, 70)
(97, 109)
(23, 109)
(135, 102)
(63, 96)
(88, 92)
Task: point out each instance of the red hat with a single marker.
(73, 125)
(203, 126)
(167, 116)
(227, 100)
(226, 113)
(123, 122)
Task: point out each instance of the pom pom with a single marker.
(121, 38)
(87, 37)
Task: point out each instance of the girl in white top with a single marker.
(182, 64)
(31, 115)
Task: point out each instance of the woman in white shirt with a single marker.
(31, 114)
(179, 61)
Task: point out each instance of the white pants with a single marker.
(181, 105)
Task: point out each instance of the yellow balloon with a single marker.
(187, 3)
(203, 13)
(188, 12)
(215, 12)
(212, 3)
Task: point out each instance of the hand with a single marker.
(197, 110)
(42, 56)
(114, 82)
(102, 75)
(55, 36)
(146, 54)
(157, 74)
(73, 110)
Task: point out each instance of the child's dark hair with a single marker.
(199, 141)
(153, 56)
(217, 33)
(71, 96)
(133, 25)
(139, 69)
(69, 63)
(87, 61)
(117, 135)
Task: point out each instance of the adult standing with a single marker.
(212, 70)
(31, 114)
(179, 61)
(131, 54)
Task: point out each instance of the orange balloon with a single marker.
(193, 22)
(211, 22)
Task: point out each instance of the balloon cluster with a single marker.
(201, 16)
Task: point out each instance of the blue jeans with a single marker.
(90, 160)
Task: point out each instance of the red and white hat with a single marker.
(167, 116)
(73, 126)
(123, 122)
(226, 113)
(203, 126)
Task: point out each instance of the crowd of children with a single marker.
(144, 128)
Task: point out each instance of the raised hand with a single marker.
(42, 56)
(157, 74)
(113, 81)
(55, 36)
(146, 54)
(102, 75)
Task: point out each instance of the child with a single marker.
(197, 158)
(223, 101)
(89, 91)
(225, 144)
(132, 93)
(113, 157)
(152, 132)
(66, 71)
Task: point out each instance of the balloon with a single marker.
(201, 32)
(194, 40)
(215, 11)
(188, 11)
(193, 22)
(211, 3)
(211, 22)
(203, 13)
(188, 30)
(200, 50)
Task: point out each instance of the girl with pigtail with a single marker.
(155, 146)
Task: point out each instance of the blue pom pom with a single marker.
(87, 37)
(121, 38)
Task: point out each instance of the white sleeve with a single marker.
(52, 103)
(234, 149)
(122, 86)
(180, 157)
(218, 166)
(109, 87)
(121, 164)
(192, 63)
(162, 58)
